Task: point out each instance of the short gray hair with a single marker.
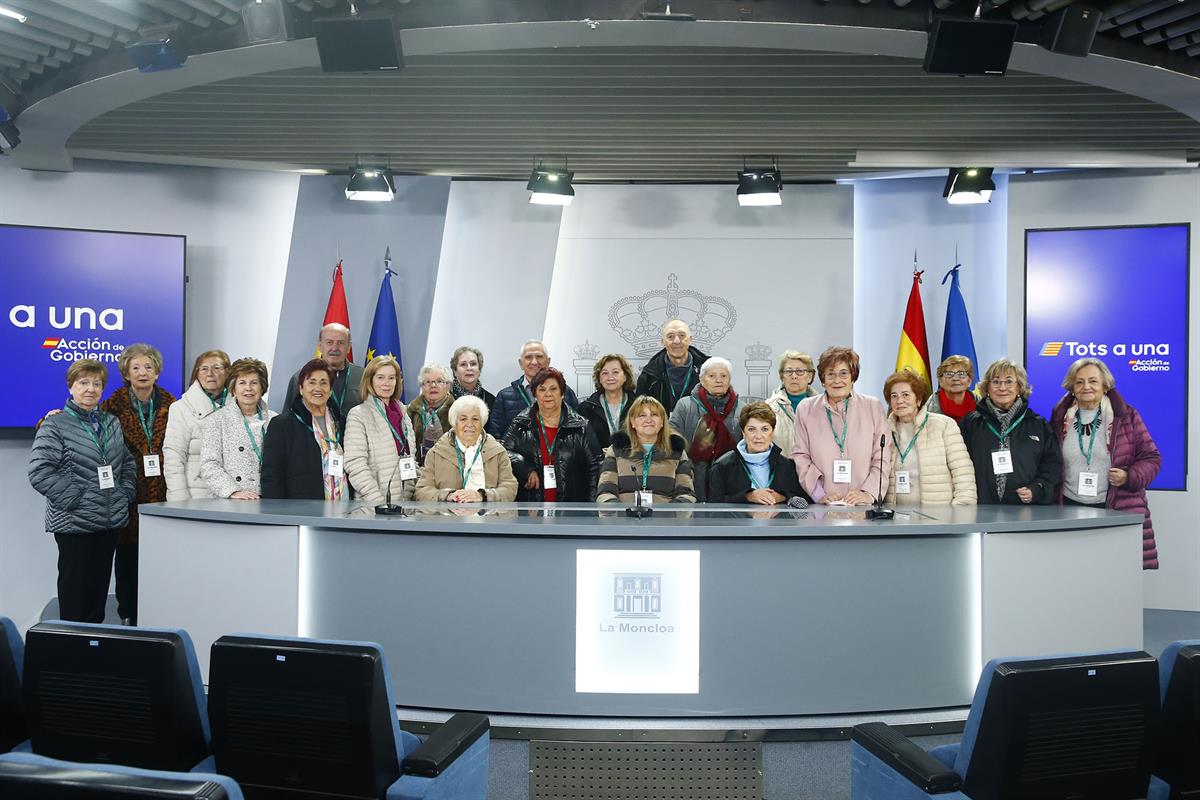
(528, 342)
(716, 361)
(796, 355)
(445, 371)
(465, 403)
(1106, 376)
(1005, 365)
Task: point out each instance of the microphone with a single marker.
(797, 502)
(637, 510)
(387, 509)
(878, 511)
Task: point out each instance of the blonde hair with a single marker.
(1106, 376)
(366, 387)
(950, 362)
(795, 355)
(663, 442)
(138, 351)
(1005, 365)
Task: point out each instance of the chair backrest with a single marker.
(306, 715)
(12, 656)
(24, 776)
(1178, 760)
(1069, 727)
(115, 695)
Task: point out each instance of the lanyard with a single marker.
(101, 443)
(403, 442)
(337, 437)
(254, 444)
(612, 423)
(550, 443)
(1002, 435)
(750, 475)
(904, 453)
(525, 395)
(840, 442)
(461, 471)
(221, 404)
(341, 400)
(647, 457)
(687, 379)
(1087, 455)
(427, 418)
(146, 418)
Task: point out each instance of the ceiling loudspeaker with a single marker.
(969, 47)
(1071, 30)
(268, 21)
(359, 44)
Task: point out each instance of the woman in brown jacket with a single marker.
(467, 465)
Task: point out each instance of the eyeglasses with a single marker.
(836, 376)
(86, 384)
(435, 382)
(208, 370)
(958, 373)
(1007, 383)
(794, 371)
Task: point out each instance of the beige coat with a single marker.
(371, 457)
(785, 419)
(181, 445)
(441, 477)
(946, 475)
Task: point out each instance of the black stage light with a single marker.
(373, 184)
(969, 185)
(550, 187)
(158, 49)
(760, 187)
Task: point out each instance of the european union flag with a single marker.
(385, 330)
(956, 338)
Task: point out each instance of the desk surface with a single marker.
(591, 520)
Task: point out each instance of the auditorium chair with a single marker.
(24, 776)
(305, 718)
(114, 694)
(1177, 765)
(12, 656)
(1053, 728)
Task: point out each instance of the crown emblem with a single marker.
(758, 351)
(587, 350)
(639, 320)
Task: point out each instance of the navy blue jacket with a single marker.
(511, 401)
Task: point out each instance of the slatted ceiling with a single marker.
(629, 114)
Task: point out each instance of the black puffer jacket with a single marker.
(653, 380)
(291, 463)
(1036, 458)
(594, 411)
(729, 481)
(576, 456)
(510, 402)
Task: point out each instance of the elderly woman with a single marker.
(837, 435)
(930, 463)
(467, 366)
(380, 440)
(1016, 456)
(81, 466)
(467, 465)
(430, 413)
(231, 449)
(181, 448)
(302, 451)
(796, 371)
(605, 409)
(757, 470)
(708, 419)
(1108, 456)
(141, 406)
(953, 398)
(553, 450)
(647, 462)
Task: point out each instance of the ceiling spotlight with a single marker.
(762, 186)
(8, 12)
(373, 184)
(969, 185)
(550, 187)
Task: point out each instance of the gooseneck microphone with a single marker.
(878, 511)
(387, 509)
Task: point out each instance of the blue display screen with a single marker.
(74, 294)
(1121, 295)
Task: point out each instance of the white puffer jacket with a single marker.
(181, 446)
(946, 475)
(371, 456)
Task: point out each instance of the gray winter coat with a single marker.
(63, 468)
(685, 418)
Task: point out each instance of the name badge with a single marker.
(903, 486)
(645, 498)
(105, 474)
(151, 466)
(408, 468)
(1089, 483)
(841, 470)
(1002, 462)
(336, 469)
(549, 480)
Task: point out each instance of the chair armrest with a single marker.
(908, 760)
(445, 744)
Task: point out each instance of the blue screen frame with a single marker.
(1111, 264)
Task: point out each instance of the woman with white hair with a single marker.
(430, 412)
(467, 465)
(708, 419)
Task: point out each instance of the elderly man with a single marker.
(333, 343)
(674, 371)
(516, 397)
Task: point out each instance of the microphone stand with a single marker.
(388, 509)
(877, 511)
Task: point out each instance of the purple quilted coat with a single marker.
(1132, 450)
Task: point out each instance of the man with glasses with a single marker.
(673, 372)
(333, 345)
(430, 413)
(796, 373)
(516, 397)
(953, 397)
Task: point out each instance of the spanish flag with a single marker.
(337, 311)
(914, 348)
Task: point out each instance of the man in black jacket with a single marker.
(674, 371)
(516, 397)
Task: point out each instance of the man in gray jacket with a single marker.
(333, 344)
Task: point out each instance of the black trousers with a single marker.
(85, 562)
(126, 568)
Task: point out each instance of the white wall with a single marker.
(892, 218)
(1054, 201)
(238, 225)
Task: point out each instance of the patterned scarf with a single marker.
(457, 390)
(1004, 418)
(334, 486)
(712, 438)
